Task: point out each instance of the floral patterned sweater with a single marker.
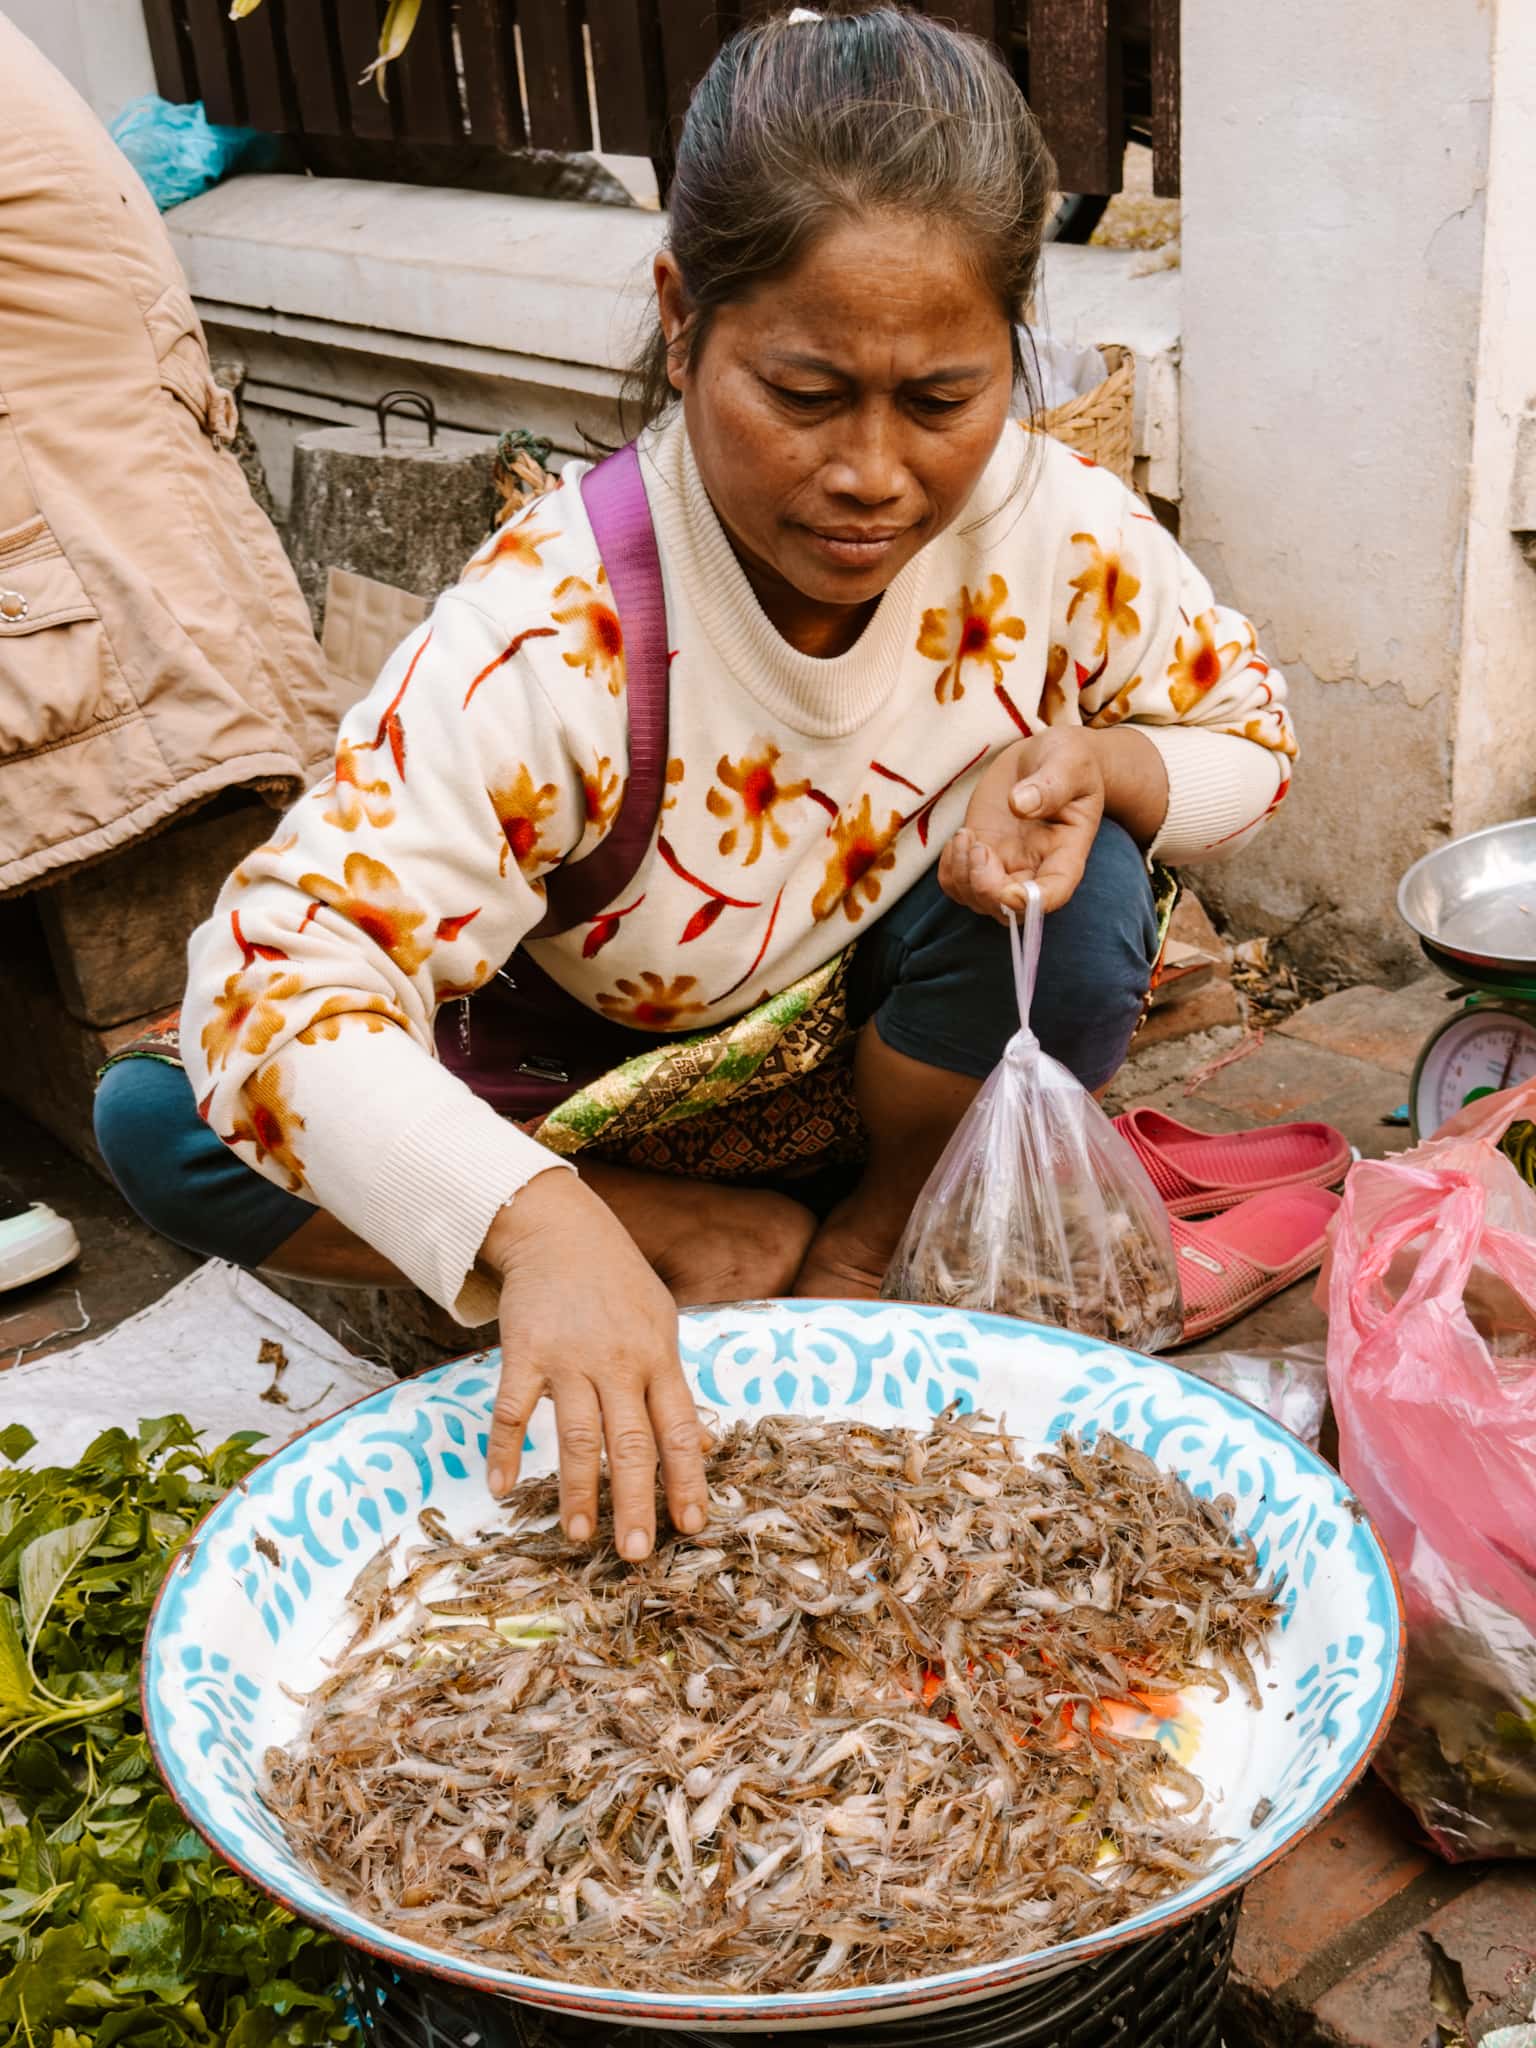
(804, 796)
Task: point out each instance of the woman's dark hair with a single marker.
(799, 125)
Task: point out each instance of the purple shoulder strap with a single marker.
(614, 496)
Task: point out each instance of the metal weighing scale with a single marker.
(1473, 906)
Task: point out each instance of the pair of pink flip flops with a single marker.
(1268, 1190)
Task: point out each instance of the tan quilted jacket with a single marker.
(154, 647)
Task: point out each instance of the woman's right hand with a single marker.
(585, 1320)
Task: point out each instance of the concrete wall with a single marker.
(1357, 317)
(1494, 759)
(99, 45)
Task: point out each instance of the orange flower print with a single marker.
(517, 545)
(650, 1004)
(752, 788)
(370, 897)
(272, 850)
(449, 991)
(247, 1015)
(599, 648)
(352, 798)
(269, 1123)
(1118, 708)
(1271, 729)
(375, 1012)
(1198, 664)
(675, 773)
(1058, 703)
(602, 789)
(1106, 587)
(862, 852)
(521, 806)
(968, 631)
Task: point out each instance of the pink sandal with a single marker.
(1257, 1249)
(1199, 1173)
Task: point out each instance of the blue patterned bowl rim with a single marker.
(749, 2012)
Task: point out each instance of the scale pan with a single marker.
(1474, 902)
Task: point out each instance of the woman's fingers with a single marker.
(675, 1421)
(1062, 868)
(631, 1470)
(579, 1428)
(1046, 793)
(518, 1394)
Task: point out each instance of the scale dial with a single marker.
(1480, 1051)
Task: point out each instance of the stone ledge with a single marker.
(529, 308)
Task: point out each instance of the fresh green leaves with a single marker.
(15, 1441)
(117, 1924)
(46, 1563)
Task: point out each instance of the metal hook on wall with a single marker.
(411, 403)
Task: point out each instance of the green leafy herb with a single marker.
(116, 1921)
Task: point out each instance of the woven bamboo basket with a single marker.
(1100, 424)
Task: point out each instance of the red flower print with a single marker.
(606, 927)
(353, 799)
(751, 793)
(757, 958)
(506, 654)
(707, 912)
(370, 897)
(268, 1124)
(521, 806)
(1198, 664)
(599, 641)
(250, 952)
(391, 730)
(862, 852)
(247, 1013)
(1107, 589)
(650, 1004)
(879, 768)
(924, 817)
(968, 631)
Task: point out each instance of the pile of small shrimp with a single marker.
(859, 1728)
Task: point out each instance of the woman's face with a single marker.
(842, 413)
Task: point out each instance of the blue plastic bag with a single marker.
(178, 153)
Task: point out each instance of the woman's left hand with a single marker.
(1034, 816)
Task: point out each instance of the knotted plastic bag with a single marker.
(1038, 1207)
(1431, 1293)
(178, 152)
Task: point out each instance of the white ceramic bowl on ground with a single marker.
(256, 1604)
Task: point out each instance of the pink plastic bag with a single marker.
(1431, 1295)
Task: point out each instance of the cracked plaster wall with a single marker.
(1494, 762)
(1336, 190)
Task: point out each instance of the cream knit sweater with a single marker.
(804, 796)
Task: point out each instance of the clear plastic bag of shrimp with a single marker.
(1038, 1207)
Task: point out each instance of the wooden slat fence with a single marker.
(565, 74)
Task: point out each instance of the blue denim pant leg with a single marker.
(938, 979)
(180, 1177)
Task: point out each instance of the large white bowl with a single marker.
(256, 1603)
